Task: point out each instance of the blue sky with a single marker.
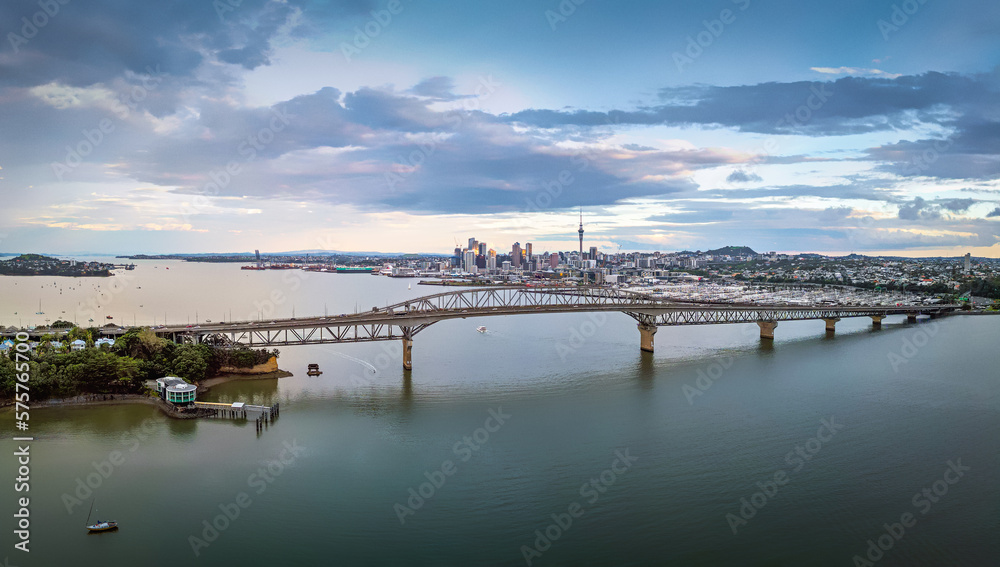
(864, 126)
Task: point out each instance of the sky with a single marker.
(866, 126)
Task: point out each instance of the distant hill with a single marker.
(731, 251)
(33, 258)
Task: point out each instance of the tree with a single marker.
(139, 343)
(191, 362)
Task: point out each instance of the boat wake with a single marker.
(355, 359)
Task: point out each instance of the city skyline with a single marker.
(393, 127)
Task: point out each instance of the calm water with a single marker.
(365, 435)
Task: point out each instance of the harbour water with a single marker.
(549, 437)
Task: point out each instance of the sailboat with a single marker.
(101, 525)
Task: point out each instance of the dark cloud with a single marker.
(922, 209)
(740, 176)
(994, 213)
(92, 42)
(973, 152)
(956, 205)
(438, 88)
(849, 105)
(638, 148)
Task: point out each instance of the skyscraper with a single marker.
(527, 254)
(469, 265)
(581, 233)
(473, 244)
(482, 248)
(968, 263)
(491, 260)
(593, 253)
(515, 255)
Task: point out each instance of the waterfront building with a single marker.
(175, 390)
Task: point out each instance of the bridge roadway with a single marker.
(402, 321)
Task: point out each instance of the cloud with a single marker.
(849, 105)
(83, 44)
(921, 209)
(438, 88)
(855, 71)
(994, 213)
(740, 176)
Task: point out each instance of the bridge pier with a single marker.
(877, 321)
(646, 333)
(911, 317)
(767, 329)
(407, 348)
(831, 324)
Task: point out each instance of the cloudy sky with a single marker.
(405, 125)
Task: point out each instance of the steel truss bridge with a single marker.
(402, 321)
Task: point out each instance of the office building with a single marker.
(469, 265)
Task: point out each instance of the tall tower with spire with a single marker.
(581, 233)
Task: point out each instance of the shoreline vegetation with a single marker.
(38, 265)
(119, 373)
(168, 409)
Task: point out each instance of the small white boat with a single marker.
(481, 329)
(100, 525)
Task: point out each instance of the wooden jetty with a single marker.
(265, 415)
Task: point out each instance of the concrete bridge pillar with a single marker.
(767, 329)
(911, 317)
(407, 349)
(877, 321)
(646, 333)
(831, 324)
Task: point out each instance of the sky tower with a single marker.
(581, 233)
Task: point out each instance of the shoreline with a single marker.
(169, 410)
(207, 383)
